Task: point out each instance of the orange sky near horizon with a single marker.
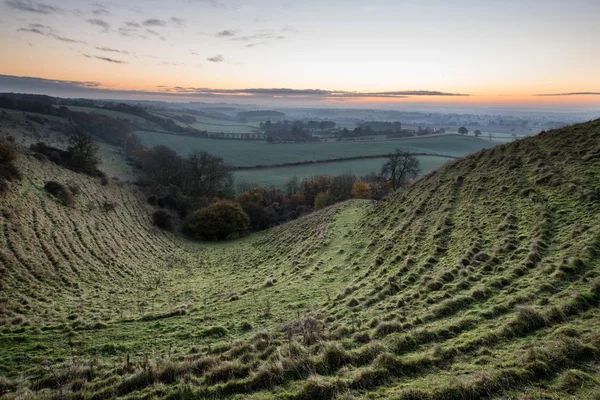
(499, 53)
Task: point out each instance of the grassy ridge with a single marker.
(479, 281)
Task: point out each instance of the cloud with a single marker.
(101, 11)
(212, 3)
(312, 93)
(110, 50)
(569, 94)
(130, 32)
(132, 24)
(216, 59)
(94, 89)
(99, 22)
(66, 39)
(264, 35)
(177, 21)
(23, 84)
(111, 60)
(154, 22)
(32, 6)
(226, 33)
(45, 30)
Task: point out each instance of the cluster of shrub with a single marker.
(8, 171)
(290, 131)
(393, 129)
(196, 193)
(81, 156)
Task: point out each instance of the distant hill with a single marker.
(262, 115)
(481, 280)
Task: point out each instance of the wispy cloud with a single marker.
(132, 24)
(101, 11)
(226, 33)
(212, 3)
(111, 50)
(216, 59)
(569, 94)
(38, 85)
(150, 31)
(111, 60)
(99, 22)
(259, 36)
(154, 22)
(311, 93)
(48, 31)
(32, 6)
(177, 21)
(131, 32)
(8, 82)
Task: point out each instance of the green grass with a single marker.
(481, 280)
(247, 153)
(279, 176)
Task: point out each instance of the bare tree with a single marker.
(400, 168)
(84, 150)
(206, 174)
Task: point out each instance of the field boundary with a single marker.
(330, 160)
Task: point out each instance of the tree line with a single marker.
(192, 191)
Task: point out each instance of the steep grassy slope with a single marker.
(479, 281)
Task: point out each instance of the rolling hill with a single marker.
(480, 280)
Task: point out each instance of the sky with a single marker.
(525, 52)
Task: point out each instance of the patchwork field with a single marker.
(279, 176)
(248, 153)
(481, 280)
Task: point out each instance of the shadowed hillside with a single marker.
(481, 280)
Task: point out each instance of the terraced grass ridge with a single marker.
(481, 280)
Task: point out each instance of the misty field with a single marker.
(279, 176)
(249, 153)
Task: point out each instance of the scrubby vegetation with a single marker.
(480, 280)
(218, 221)
(8, 171)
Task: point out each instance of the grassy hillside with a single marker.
(247, 153)
(479, 281)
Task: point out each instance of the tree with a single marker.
(463, 131)
(323, 200)
(163, 165)
(361, 190)
(292, 187)
(400, 168)
(477, 133)
(132, 144)
(83, 152)
(7, 152)
(207, 175)
(218, 221)
(341, 187)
